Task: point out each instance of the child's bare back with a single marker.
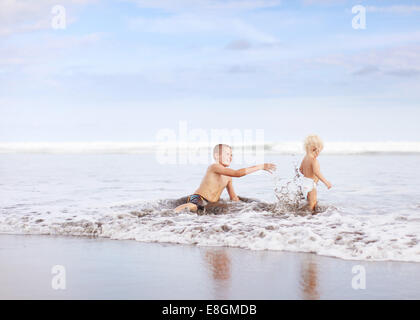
(307, 166)
(311, 171)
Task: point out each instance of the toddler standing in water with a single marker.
(311, 170)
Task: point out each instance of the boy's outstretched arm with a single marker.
(219, 169)
(317, 172)
(231, 191)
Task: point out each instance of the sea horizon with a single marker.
(270, 147)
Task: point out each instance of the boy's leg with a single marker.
(190, 206)
(312, 200)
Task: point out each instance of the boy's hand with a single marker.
(269, 167)
(328, 184)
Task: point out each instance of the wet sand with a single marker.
(109, 269)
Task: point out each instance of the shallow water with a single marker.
(372, 212)
(105, 269)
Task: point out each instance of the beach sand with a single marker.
(108, 269)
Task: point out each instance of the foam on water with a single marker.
(248, 224)
(372, 212)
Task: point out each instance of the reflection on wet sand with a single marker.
(309, 279)
(219, 264)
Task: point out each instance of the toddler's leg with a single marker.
(190, 206)
(312, 200)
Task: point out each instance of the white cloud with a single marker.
(323, 2)
(41, 60)
(21, 28)
(172, 5)
(18, 16)
(394, 9)
(193, 24)
(358, 41)
(397, 61)
(245, 4)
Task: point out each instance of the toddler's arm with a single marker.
(317, 172)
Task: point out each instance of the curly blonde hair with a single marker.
(312, 143)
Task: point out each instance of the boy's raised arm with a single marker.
(219, 169)
(317, 172)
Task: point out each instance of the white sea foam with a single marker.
(252, 225)
(150, 147)
(371, 213)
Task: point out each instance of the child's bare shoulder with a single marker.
(307, 160)
(214, 166)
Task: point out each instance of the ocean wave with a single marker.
(249, 224)
(385, 147)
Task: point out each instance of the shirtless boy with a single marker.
(311, 170)
(218, 177)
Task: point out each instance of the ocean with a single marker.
(372, 213)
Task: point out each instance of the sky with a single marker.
(125, 70)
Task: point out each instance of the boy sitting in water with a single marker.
(218, 177)
(311, 171)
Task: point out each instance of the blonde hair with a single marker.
(313, 142)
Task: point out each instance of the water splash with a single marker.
(289, 193)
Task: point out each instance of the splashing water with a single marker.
(290, 196)
(289, 193)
